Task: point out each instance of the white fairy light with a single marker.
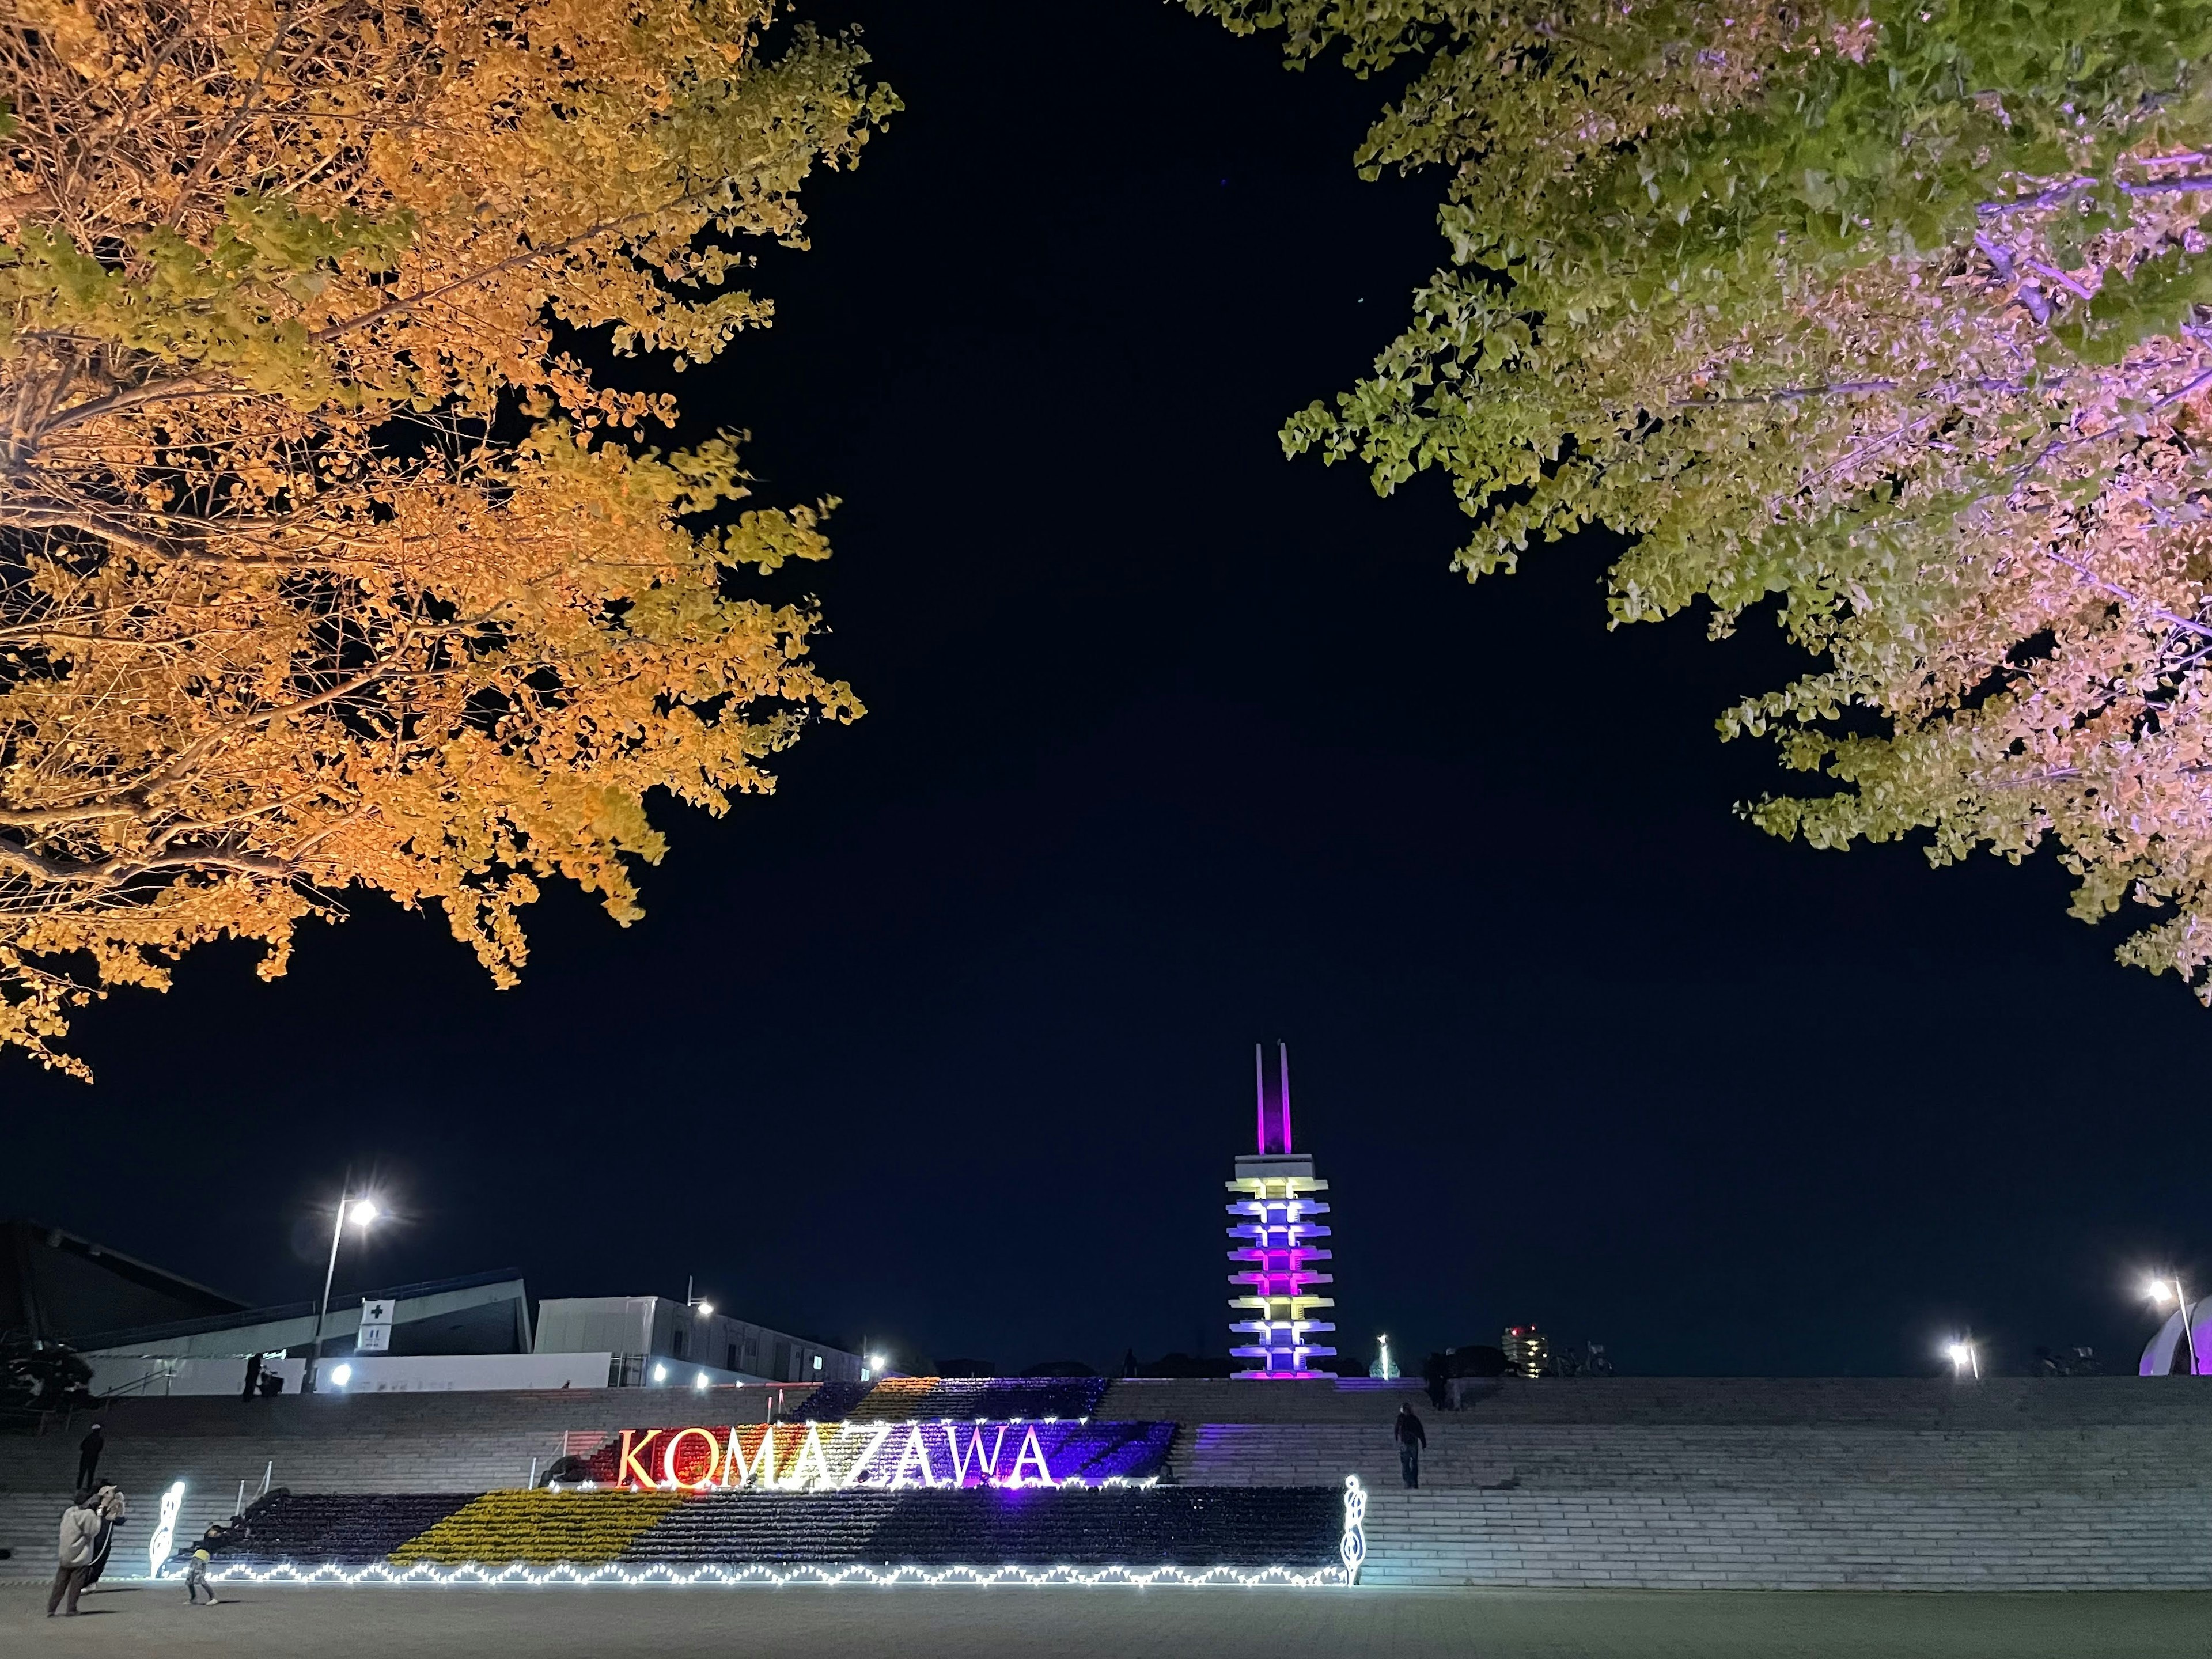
(428, 1576)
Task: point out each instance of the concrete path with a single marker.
(1105, 1624)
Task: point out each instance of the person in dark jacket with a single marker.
(1412, 1437)
(88, 1458)
(252, 1376)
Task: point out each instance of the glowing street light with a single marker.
(1964, 1361)
(361, 1212)
(2167, 1285)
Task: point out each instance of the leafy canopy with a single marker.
(323, 561)
(1893, 315)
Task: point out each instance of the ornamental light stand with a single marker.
(2159, 1289)
(361, 1212)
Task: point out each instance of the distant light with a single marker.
(363, 1212)
(1961, 1353)
(818, 1362)
(706, 1311)
(2158, 1289)
(341, 1375)
(875, 1362)
(660, 1373)
(700, 1381)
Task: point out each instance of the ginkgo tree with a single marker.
(326, 560)
(1894, 320)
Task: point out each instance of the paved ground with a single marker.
(1116, 1624)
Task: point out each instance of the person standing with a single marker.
(88, 1458)
(252, 1376)
(1411, 1439)
(80, 1532)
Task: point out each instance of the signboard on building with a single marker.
(375, 1335)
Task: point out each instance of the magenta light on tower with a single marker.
(1275, 1227)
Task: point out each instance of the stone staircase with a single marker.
(1247, 1529)
(442, 1443)
(1897, 1483)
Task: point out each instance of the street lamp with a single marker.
(2167, 1285)
(1964, 1361)
(361, 1212)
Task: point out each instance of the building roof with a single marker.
(172, 1330)
(56, 1285)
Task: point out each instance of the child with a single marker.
(196, 1570)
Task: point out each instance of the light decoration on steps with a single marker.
(1351, 1552)
(158, 1549)
(524, 1575)
(1353, 1548)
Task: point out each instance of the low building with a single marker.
(480, 1315)
(660, 1341)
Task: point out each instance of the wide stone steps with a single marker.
(1809, 1539)
(1692, 1457)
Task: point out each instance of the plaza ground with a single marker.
(1119, 1624)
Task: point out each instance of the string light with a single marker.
(1351, 1553)
(1353, 1548)
(522, 1573)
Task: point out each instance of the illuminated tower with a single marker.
(1278, 1284)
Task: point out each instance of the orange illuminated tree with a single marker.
(324, 559)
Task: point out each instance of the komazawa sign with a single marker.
(878, 1456)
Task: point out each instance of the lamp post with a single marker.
(2159, 1289)
(1964, 1361)
(361, 1212)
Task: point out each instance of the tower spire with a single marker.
(1274, 1087)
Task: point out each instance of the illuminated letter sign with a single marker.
(879, 1456)
(811, 1447)
(630, 1465)
(1031, 1453)
(868, 1453)
(989, 1465)
(761, 1472)
(916, 1455)
(668, 1459)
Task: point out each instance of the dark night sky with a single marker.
(1174, 746)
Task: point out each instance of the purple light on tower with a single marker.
(1278, 1279)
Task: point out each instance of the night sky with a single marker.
(1174, 746)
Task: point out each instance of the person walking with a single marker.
(1412, 1439)
(80, 1531)
(113, 1512)
(88, 1458)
